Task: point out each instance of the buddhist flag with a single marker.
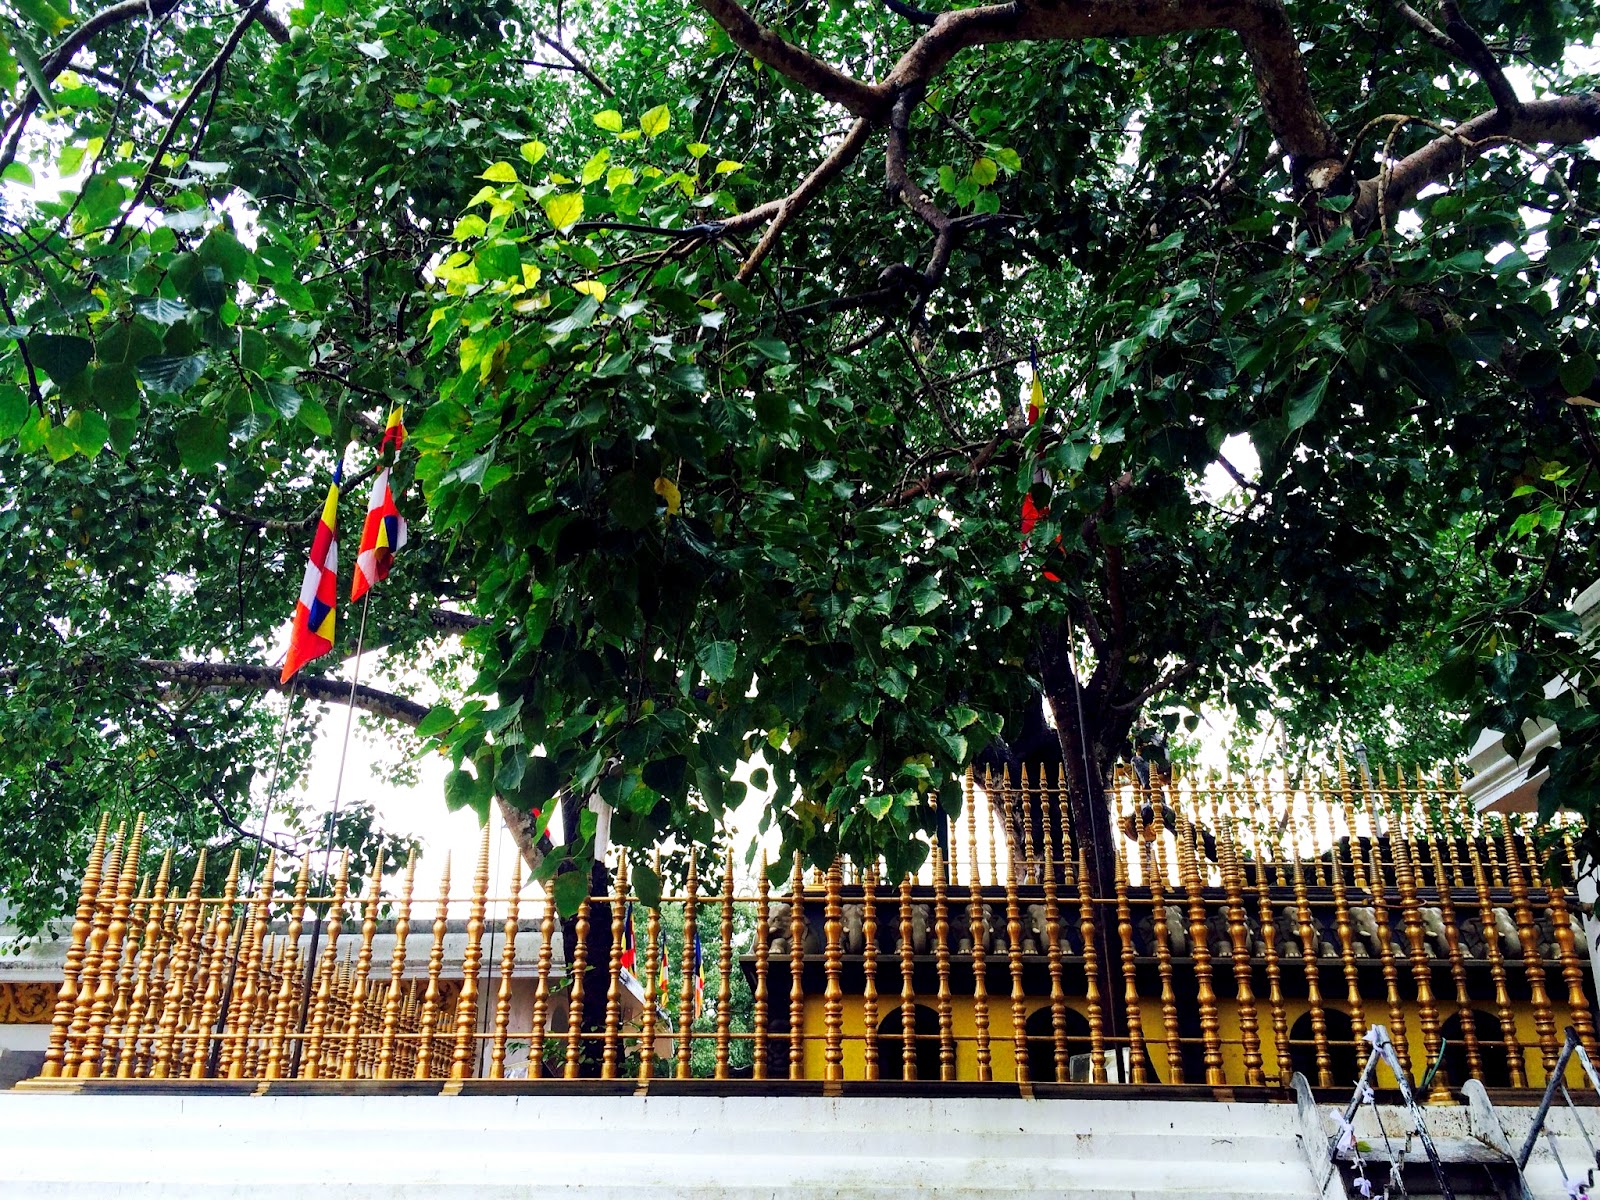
(384, 531)
(699, 979)
(666, 967)
(627, 936)
(312, 635)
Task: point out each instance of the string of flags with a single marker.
(383, 533)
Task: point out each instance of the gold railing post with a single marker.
(1130, 976)
(1400, 847)
(652, 988)
(1544, 1019)
(508, 967)
(212, 998)
(1452, 936)
(1497, 970)
(1372, 802)
(1155, 880)
(354, 1018)
(397, 970)
(134, 1022)
(908, 1007)
(1091, 974)
(1199, 947)
(611, 1045)
(941, 958)
(1019, 994)
(1243, 970)
(978, 929)
(1052, 923)
(759, 1000)
(798, 926)
(833, 967)
(578, 971)
(109, 960)
(541, 990)
(464, 1055)
(1567, 950)
(82, 924)
(428, 1013)
(242, 1008)
(725, 972)
(1344, 928)
(178, 983)
(869, 968)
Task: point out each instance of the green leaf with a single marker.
(161, 309)
(654, 122)
(646, 886)
(1577, 373)
(61, 356)
(14, 410)
(169, 373)
(89, 431)
(570, 890)
(314, 416)
(609, 119)
(717, 658)
(464, 790)
(772, 349)
(440, 717)
(500, 172)
(879, 806)
(697, 149)
(984, 172)
(1304, 404)
(533, 151)
(564, 211)
(633, 500)
(202, 441)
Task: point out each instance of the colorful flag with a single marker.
(699, 979)
(1032, 514)
(665, 971)
(312, 635)
(385, 529)
(627, 936)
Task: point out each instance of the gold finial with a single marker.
(428, 1011)
(992, 819)
(397, 970)
(541, 990)
(611, 1044)
(758, 1060)
(833, 971)
(508, 967)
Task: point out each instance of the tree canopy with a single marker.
(712, 326)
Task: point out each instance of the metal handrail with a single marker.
(1572, 1046)
(1383, 1051)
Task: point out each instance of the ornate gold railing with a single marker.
(1254, 928)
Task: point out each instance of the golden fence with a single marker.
(1256, 927)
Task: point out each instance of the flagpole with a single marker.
(327, 854)
(255, 863)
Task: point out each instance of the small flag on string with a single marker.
(699, 979)
(627, 936)
(385, 529)
(312, 635)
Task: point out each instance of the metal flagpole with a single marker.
(327, 854)
(255, 864)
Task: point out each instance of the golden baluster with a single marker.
(725, 973)
(211, 1001)
(428, 1011)
(941, 954)
(1401, 849)
(1268, 919)
(1345, 929)
(833, 969)
(1567, 952)
(178, 981)
(1243, 971)
(578, 966)
(1495, 829)
(110, 958)
(247, 992)
(611, 1044)
(1452, 936)
(283, 1007)
(978, 930)
(908, 1007)
(133, 950)
(464, 1055)
(1052, 923)
(149, 1020)
(133, 1020)
(1310, 946)
(758, 1061)
(359, 981)
(89, 973)
(1380, 911)
(797, 964)
(1091, 977)
(1442, 820)
(1533, 964)
(686, 1012)
(384, 1068)
(508, 967)
(325, 978)
(1347, 795)
(993, 819)
(1497, 969)
(1199, 948)
(1019, 994)
(82, 923)
(869, 968)
(541, 990)
(652, 986)
(1130, 980)
(1156, 881)
(1025, 796)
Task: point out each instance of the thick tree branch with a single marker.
(790, 61)
(1461, 42)
(577, 64)
(1566, 120)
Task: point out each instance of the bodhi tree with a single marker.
(711, 338)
